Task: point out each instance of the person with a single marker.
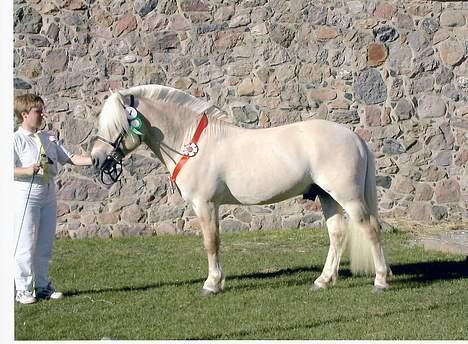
(36, 154)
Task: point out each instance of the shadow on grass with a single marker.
(246, 276)
(425, 272)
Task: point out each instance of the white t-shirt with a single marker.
(26, 152)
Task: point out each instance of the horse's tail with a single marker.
(361, 260)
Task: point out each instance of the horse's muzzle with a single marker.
(111, 170)
(109, 166)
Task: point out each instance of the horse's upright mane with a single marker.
(173, 96)
(113, 119)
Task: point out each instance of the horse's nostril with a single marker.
(94, 161)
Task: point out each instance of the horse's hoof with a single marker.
(208, 292)
(316, 287)
(378, 289)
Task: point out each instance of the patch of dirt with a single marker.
(446, 237)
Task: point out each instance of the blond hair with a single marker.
(24, 103)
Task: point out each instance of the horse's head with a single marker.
(121, 130)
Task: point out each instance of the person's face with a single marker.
(33, 118)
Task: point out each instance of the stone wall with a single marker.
(394, 71)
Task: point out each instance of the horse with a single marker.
(213, 162)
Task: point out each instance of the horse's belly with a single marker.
(267, 183)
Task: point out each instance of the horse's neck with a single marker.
(172, 127)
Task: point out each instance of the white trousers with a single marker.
(35, 223)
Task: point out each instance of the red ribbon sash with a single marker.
(201, 126)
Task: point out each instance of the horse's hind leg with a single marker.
(368, 225)
(336, 226)
(207, 213)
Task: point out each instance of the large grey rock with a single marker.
(250, 87)
(344, 117)
(77, 130)
(230, 225)
(55, 60)
(424, 192)
(244, 113)
(452, 92)
(369, 87)
(452, 51)
(194, 6)
(27, 20)
(431, 106)
(452, 18)
(404, 109)
(81, 190)
(143, 7)
(443, 158)
(20, 84)
(447, 191)
(163, 41)
(418, 41)
(430, 25)
(392, 147)
(281, 34)
(444, 75)
(400, 59)
(242, 214)
(420, 211)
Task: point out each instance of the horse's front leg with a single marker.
(207, 213)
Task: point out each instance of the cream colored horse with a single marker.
(252, 166)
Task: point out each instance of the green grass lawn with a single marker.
(148, 288)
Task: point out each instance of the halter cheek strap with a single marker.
(191, 149)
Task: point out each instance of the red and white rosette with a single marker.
(190, 150)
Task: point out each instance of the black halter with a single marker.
(112, 166)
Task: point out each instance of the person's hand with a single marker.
(33, 169)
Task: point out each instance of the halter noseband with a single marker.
(112, 166)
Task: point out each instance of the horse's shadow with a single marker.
(428, 272)
(247, 276)
(424, 273)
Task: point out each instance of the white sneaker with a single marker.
(25, 297)
(48, 293)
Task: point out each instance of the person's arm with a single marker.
(65, 157)
(81, 160)
(27, 171)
